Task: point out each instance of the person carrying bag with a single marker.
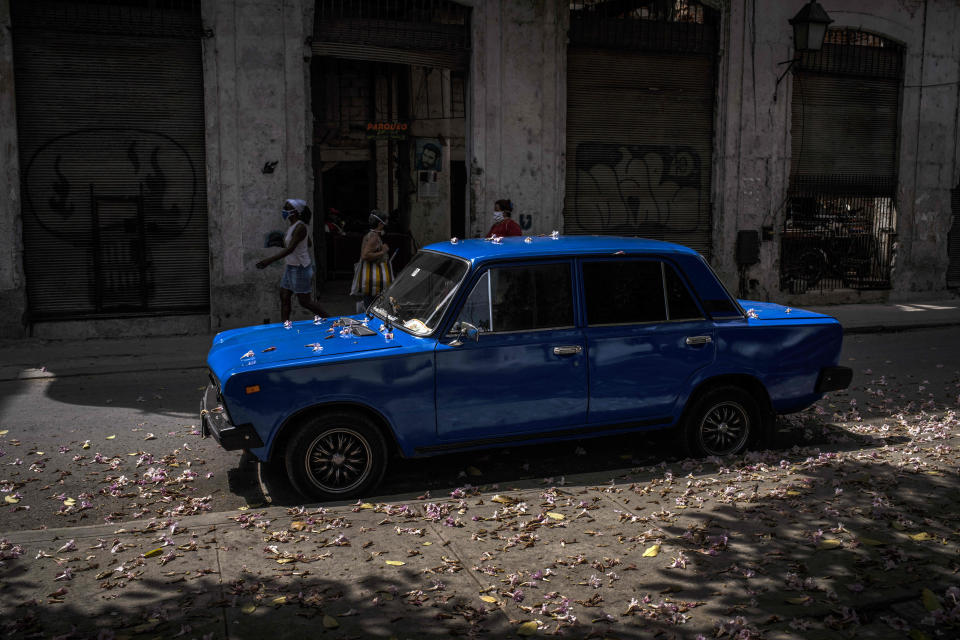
(373, 273)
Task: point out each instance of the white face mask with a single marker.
(497, 216)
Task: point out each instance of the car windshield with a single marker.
(421, 293)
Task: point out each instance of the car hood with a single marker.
(771, 311)
(271, 344)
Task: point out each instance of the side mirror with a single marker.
(464, 330)
(470, 331)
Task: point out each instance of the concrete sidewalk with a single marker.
(31, 358)
(867, 318)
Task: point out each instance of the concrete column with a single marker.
(256, 84)
(928, 150)
(298, 137)
(13, 298)
(751, 163)
(222, 138)
(955, 173)
(517, 112)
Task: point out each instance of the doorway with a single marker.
(347, 202)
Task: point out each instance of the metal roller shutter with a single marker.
(111, 135)
(953, 241)
(844, 126)
(640, 145)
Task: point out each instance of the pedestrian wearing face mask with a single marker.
(298, 266)
(503, 224)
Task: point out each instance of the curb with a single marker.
(895, 328)
(33, 536)
(37, 374)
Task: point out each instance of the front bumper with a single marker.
(215, 423)
(834, 379)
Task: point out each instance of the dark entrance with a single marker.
(397, 67)
(111, 135)
(347, 198)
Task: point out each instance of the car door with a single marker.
(526, 371)
(646, 337)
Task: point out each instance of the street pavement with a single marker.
(846, 527)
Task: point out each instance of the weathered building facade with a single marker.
(149, 144)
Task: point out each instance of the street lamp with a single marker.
(809, 30)
(810, 27)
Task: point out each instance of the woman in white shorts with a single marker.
(298, 272)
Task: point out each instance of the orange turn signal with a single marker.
(254, 389)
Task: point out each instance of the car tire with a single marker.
(723, 421)
(337, 455)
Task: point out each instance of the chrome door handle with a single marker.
(693, 340)
(570, 350)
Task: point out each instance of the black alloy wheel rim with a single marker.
(339, 460)
(724, 429)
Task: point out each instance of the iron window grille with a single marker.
(855, 53)
(839, 233)
(671, 26)
(425, 25)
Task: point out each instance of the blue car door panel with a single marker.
(526, 371)
(646, 337)
(637, 372)
(513, 383)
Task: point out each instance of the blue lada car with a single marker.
(481, 343)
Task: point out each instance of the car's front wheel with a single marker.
(721, 422)
(336, 455)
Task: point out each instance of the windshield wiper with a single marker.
(373, 306)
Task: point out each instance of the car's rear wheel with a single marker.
(721, 422)
(336, 455)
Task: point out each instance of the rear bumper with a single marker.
(833, 379)
(215, 423)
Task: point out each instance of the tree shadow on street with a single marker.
(167, 393)
(774, 548)
(834, 545)
(257, 604)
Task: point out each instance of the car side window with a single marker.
(680, 303)
(623, 292)
(523, 298)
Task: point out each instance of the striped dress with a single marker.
(372, 277)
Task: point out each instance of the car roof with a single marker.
(480, 249)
